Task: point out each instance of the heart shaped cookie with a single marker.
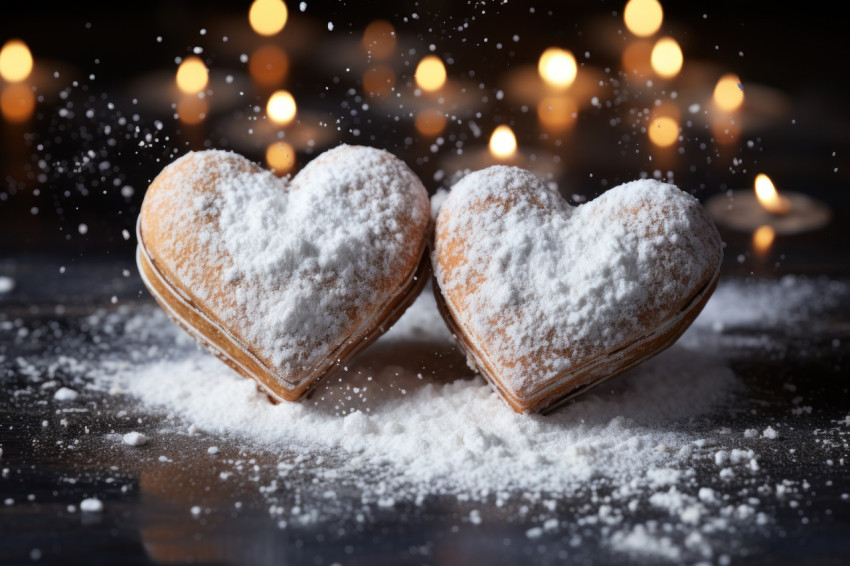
(549, 299)
(285, 280)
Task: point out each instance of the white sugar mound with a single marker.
(449, 436)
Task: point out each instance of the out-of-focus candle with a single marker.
(762, 240)
(281, 108)
(557, 67)
(643, 17)
(280, 157)
(666, 57)
(728, 93)
(502, 143)
(192, 75)
(786, 213)
(663, 130)
(267, 17)
(15, 61)
(430, 73)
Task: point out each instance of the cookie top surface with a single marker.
(545, 287)
(291, 267)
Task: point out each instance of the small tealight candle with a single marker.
(502, 150)
(786, 213)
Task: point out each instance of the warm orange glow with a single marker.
(637, 59)
(557, 113)
(268, 65)
(430, 73)
(557, 67)
(728, 94)
(17, 103)
(379, 39)
(430, 122)
(15, 61)
(281, 108)
(769, 197)
(663, 131)
(725, 128)
(762, 239)
(502, 142)
(192, 110)
(379, 81)
(280, 157)
(666, 57)
(643, 17)
(192, 75)
(267, 17)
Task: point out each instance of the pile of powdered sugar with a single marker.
(558, 285)
(452, 435)
(655, 463)
(291, 269)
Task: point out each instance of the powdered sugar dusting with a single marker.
(291, 267)
(431, 430)
(558, 285)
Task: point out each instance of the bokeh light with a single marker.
(15, 61)
(430, 73)
(281, 108)
(643, 17)
(280, 157)
(267, 17)
(379, 80)
(667, 57)
(502, 142)
(728, 94)
(430, 122)
(663, 131)
(379, 39)
(558, 67)
(557, 113)
(17, 103)
(268, 65)
(192, 75)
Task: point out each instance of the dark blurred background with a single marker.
(105, 118)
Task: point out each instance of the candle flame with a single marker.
(430, 73)
(643, 17)
(557, 67)
(666, 57)
(267, 17)
(769, 197)
(502, 142)
(762, 239)
(281, 108)
(15, 61)
(192, 75)
(728, 93)
(280, 157)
